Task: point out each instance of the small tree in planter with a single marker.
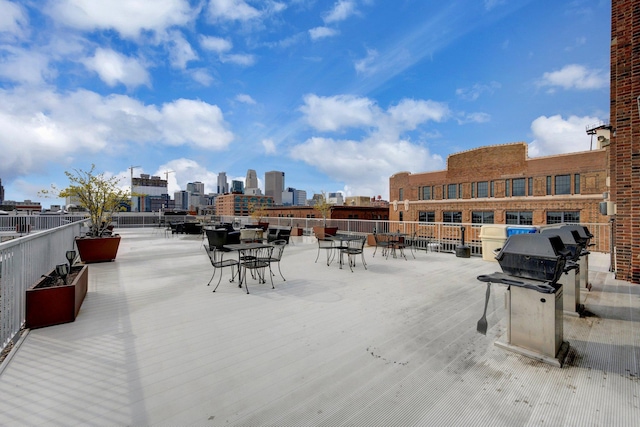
(257, 211)
(101, 197)
(323, 206)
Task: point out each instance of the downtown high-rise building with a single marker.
(274, 186)
(251, 181)
(223, 184)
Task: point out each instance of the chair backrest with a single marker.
(260, 257)
(217, 238)
(278, 249)
(284, 234)
(356, 243)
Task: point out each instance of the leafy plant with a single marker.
(98, 194)
(257, 210)
(323, 206)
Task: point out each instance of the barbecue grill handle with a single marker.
(570, 265)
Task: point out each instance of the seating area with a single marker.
(395, 344)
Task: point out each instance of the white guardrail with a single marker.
(33, 245)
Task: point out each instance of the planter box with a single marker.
(320, 231)
(297, 231)
(98, 249)
(57, 304)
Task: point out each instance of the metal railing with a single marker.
(23, 261)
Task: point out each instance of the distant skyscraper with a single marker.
(274, 186)
(223, 185)
(1, 192)
(181, 199)
(237, 186)
(252, 179)
(195, 187)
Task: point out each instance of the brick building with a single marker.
(625, 142)
(501, 185)
(234, 204)
(337, 212)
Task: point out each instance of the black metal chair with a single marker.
(276, 256)
(216, 256)
(354, 248)
(325, 244)
(258, 262)
(381, 242)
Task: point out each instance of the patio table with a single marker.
(245, 252)
(342, 243)
(395, 240)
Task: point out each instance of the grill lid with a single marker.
(534, 256)
(534, 245)
(570, 238)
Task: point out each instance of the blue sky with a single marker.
(339, 95)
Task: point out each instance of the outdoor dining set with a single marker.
(253, 250)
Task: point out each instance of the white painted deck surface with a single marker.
(394, 345)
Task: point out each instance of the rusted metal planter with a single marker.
(57, 304)
(98, 249)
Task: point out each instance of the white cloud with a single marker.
(246, 99)
(195, 122)
(474, 92)
(232, 10)
(556, 135)
(269, 146)
(409, 113)
(13, 19)
(22, 66)
(336, 112)
(180, 51)
(365, 65)
(186, 171)
(127, 17)
(43, 126)
(322, 32)
(114, 68)
(215, 44)
(342, 10)
(464, 118)
(245, 60)
(575, 76)
(365, 165)
(202, 76)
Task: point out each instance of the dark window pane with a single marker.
(519, 218)
(530, 186)
(548, 186)
(426, 216)
(482, 217)
(576, 184)
(452, 191)
(483, 189)
(563, 184)
(452, 217)
(518, 187)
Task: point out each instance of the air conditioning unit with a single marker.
(607, 208)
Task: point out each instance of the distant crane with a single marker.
(166, 175)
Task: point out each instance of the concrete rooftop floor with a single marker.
(394, 345)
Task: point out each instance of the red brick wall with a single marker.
(625, 141)
(497, 163)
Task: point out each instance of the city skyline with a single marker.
(340, 95)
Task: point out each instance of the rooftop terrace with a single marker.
(392, 345)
